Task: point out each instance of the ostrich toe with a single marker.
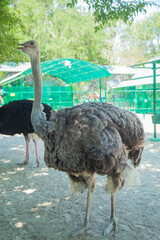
(113, 226)
(80, 230)
(23, 163)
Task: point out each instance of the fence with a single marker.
(57, 97)
(136, 100)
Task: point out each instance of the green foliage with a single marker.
(8, 24)
(108, 11)
(70, 33)
(61, 32)
(141, 40)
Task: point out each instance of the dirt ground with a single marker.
(35, 203)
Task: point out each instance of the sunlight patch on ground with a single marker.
(29, 191)
(45, 204)
(4, 136)
(15, 148)
(154, 150)
(18, 189)
(149, 166)
(19, 135)
(34, 209)
(102, 182)
(11, 172)
(144, 166)
(19, 225)
(40, 174)
(155, 169)
(44, 169)
(67, 198)
(19, 169)
(6, 161)
(5, 179)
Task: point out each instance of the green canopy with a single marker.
(71, 70)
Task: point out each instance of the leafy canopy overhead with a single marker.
(8, 23)
(106, 11)
(144, 45)
(61, 32)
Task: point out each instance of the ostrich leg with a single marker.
(37, 154)
(113, 221)
(87, 222)
(91, 186)
(27, 139)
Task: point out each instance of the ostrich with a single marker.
(87, 139)
(15, 119)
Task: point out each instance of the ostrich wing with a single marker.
(86, 139)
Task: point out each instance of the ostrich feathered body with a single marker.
(15, 117)
(94, 138)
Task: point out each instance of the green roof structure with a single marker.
(68, 70)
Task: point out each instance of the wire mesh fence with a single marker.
(58, 97)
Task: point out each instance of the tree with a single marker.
(139, 41)
(107, 11)
(61, 32)
(8, 26)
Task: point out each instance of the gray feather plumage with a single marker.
(93, 137)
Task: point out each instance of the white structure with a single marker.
(11, 68)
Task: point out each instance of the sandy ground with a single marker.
(35, 203)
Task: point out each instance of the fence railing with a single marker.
(138, 100)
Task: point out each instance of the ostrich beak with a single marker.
(22, 46)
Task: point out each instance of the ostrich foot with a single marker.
(23, 163)
(111, 227)
(79, 230)
(37, 165)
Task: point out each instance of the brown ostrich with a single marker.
(87, 139)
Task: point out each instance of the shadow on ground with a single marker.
(35, 203)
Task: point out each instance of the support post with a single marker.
(155, 118)
(105, 93)
(154, 96)
(100, 90)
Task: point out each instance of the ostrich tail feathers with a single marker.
(131, 176)
(116, 182)
(77, 187)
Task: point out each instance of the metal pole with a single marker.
(105, 93)
(100, 97)
(154, 96)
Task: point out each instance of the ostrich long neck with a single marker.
(40, 125)
(35, 64)
(37, 117)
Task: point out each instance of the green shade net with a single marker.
(71, 70)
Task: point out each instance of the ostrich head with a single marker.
(30, 48)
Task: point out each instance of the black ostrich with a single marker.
(15, 119)
(87, 139)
